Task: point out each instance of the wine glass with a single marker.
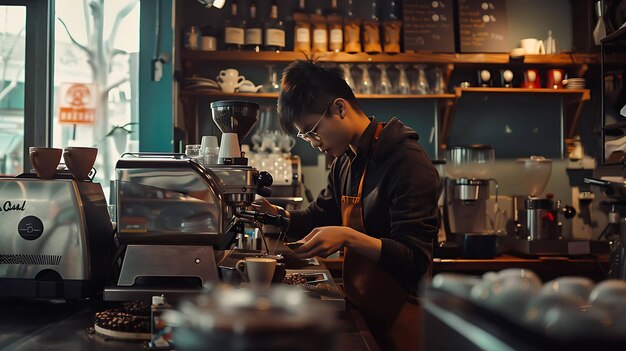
(365, 87)
(421, 85)
(272, 85)
(385, 83)
(439, 84)
(347, 75)
(404, 86)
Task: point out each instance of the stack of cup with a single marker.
(210, 150)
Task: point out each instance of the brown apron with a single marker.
(390, 312)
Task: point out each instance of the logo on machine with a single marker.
(30, 228)
(9, 206)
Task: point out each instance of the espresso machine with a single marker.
(173, 213)
(537, 224)
(465, 197)
(56, 236)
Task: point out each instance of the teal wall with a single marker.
(155, 98)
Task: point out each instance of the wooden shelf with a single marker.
(479, 58)
(572, 99)
(219, 94)
(585, 95)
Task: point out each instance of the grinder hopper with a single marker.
(535, 173)
(235, 119)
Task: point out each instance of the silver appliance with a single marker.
(537, 225)
(465, 198)
(56, 236)
(173, 212)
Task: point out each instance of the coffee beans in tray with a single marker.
(131, 321)
(294, 279)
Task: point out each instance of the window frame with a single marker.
(38, 80)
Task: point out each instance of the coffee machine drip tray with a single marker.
(555, 247)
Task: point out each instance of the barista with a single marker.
(380, 204)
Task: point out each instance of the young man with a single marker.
(380, 204)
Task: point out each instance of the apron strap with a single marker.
(359, 194)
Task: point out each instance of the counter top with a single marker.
(34, 325)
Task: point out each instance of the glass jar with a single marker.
(194, 152)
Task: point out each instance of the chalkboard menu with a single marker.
(482, 26)
(428, 25)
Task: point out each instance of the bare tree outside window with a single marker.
(108, 64)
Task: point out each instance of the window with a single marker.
(12, 69)
(95, 79)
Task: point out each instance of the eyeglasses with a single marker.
(311, 135)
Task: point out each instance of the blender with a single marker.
(465, 200)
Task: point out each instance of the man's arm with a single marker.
(413, 191)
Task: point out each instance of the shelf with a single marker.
(219, 94)
(479, 58)
(585, 95)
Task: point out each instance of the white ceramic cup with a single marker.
(532, 46)
(229, 80)
(229, 74)
(208, 43)
(258, 270)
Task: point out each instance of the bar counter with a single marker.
(34, 325)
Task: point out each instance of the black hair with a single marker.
(310, 87)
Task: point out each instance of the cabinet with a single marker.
(571, 100)
(613, 49)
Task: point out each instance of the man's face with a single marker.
(324, 132)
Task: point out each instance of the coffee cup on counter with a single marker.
(259, 271)
(44, 160)
(80, 160)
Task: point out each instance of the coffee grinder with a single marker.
(465, 200)
(537, 229)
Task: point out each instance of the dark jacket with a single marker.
(399, 203)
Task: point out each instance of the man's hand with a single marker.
(263, 205)
(325, 241)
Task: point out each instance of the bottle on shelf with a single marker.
(334, 19)
(302, 19)
(253, 39)
(192, 38)
(391, 28)
(274, 31)
(371, 32)
(234, 29)
(352, 31)
(320, 31)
